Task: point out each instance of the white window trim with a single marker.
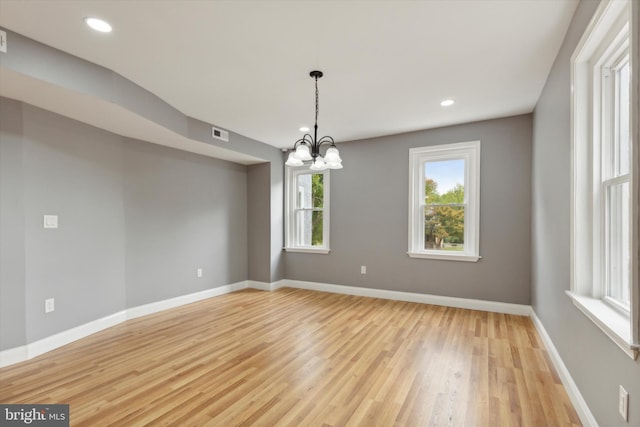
(586, 294)
(612, 322)
(289, 222)
(470, 152)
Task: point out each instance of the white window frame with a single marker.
(470, 153)
(600, 47)
(291, 187)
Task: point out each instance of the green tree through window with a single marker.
(444, 217)
(317, 193)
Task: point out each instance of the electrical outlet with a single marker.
(623, 404)
(49, 305)
(363, 269)
(199, 272)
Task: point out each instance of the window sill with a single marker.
(614, 324)
(323, 251)
(446, 257)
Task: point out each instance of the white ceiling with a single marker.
(243, 65)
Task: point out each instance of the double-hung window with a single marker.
(307, 210)
(444, 201)
(604, 277)
(615, 191)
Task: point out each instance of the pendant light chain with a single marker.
(317, 107)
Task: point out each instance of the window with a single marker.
(616, 181)
(444, 201)
(307, 210)
(602, 228)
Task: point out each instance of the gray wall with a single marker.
(74, 171)
(369, 217)
(276, 186)
(596, 364)
(182, 212)
(12, 280)
(259, 224)
(135, 222)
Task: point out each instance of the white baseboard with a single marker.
(578, 401)
(13, 355)
(471, 304)
(154, 307)
(31, 350)
(70, 335)
(263, 286)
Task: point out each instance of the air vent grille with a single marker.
(219, 134)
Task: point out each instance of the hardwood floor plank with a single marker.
(294, 357)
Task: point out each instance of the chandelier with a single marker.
(307, 148)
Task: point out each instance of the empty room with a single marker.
(320, 213)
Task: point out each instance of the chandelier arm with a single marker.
(307, 138)
(326, 139)
(303, 140)
(315, 146)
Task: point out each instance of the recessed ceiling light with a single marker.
(304, 129)
(98, 24)
(447, 102)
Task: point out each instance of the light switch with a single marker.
(51, 221)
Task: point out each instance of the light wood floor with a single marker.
(302, 358)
